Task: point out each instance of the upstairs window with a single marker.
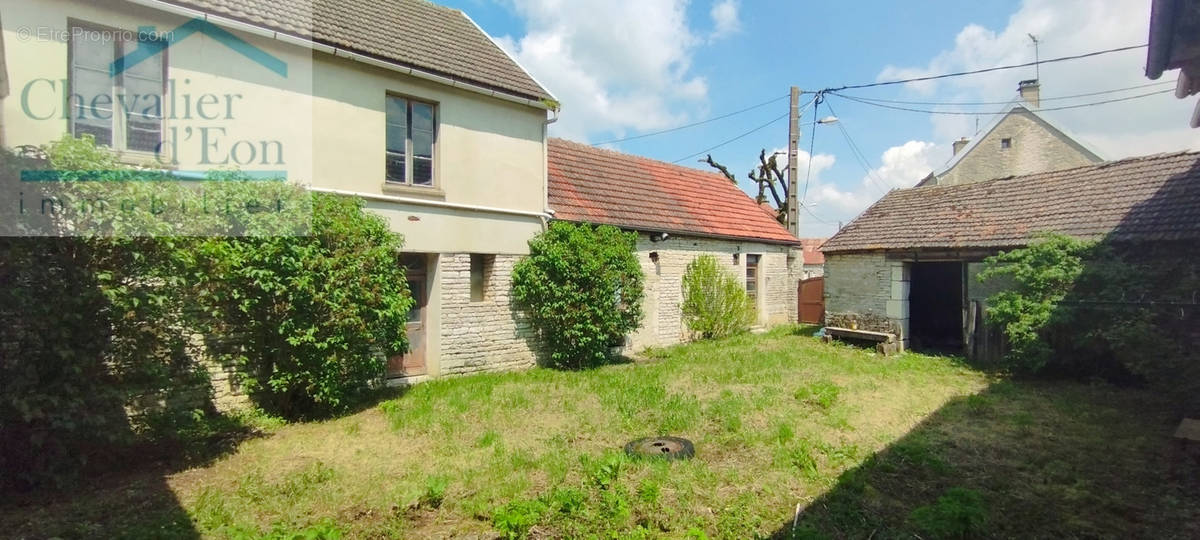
(122, 107)
(1005, 144)
(411, 134)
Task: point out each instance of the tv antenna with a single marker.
(1037, 68)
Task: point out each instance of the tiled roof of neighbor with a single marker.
(414, 33)
(1149, 198)
(593, 185)
(812, 250)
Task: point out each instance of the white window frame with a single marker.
(409, 154)
(119, 123)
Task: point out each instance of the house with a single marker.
(406, 104)
(1017, 141)
(678, 213)
(1175, 44)
(908, 264)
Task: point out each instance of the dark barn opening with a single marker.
(935, 307)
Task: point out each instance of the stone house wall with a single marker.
(1035, 147)
(868, 289)
(488, 335)
(779, 273)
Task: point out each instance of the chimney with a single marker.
(959, 144)
(1031, 92)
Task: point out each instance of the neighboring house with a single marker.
(407, 104)
(1017, 141)
(679, 213)
(814, 260)
(908, 264)
(1175, 44)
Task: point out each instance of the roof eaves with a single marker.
(516, 61)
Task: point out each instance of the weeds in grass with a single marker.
(488, 438)
(799, 454)
(514, 519)
(823, 394)
(960, 513)
(435, 492)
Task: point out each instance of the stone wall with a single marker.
(663, 325)
(486, 335)
(869, 289)
(1034, 148)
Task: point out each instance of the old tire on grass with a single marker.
(668, 448)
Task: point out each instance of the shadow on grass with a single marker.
(1021, 460)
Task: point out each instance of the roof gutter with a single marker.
(694, 234)
(437, 204)
(1162, 22)
(340, 52)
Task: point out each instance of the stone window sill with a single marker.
(420, 191)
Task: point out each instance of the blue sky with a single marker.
(627, 67)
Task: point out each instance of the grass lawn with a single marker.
(793, 438)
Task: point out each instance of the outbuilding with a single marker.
(679, 214)
(908, 264)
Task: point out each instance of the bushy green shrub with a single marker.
(1101, 309)
(581, 287)
(104, 319)
(715, 303)
(313, 316)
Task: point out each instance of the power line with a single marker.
(812, 142)
(693, 124)
(746, 134)
(710, 149)
(973, 113)
(816, 217)
(987, 70)
(858, 154)
(1056, 98)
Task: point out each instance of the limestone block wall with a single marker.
(487, 335)
(663, 323)
(869, 289)
(1033, 147)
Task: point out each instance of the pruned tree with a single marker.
(768, 177)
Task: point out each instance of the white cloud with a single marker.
(901, 167)
(617, 65)
(725, 19)
(1064, 27)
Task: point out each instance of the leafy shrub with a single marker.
(314, 313)
(960, 513)
(1102, 309)
(102, 321)
(715, 303)
(581, 287)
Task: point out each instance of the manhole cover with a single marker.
(670, 448)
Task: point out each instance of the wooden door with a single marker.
(812, 300)
(413, 362)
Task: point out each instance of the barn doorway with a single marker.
(936, 307)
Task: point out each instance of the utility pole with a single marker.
(793, 192)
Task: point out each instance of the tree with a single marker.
(768, 177)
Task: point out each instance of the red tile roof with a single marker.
(588, 184)
(812, 250)
(1142, 199)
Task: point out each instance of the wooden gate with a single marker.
(811, 304)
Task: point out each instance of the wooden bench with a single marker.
(886, 343)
